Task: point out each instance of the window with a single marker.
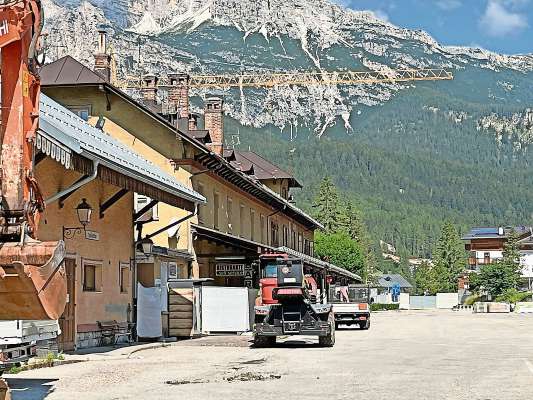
(92, 276)
(124, 277)
(486, 258)
(262, 223)
(216, 207)
(285, 235)
(274, 234)
(284, 193)
(84, 112)
(201, 208)
(293, 240)
(241, 221)
(142, 201)
(229, 214)
(252, 224)
(300, 244)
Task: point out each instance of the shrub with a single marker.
(514, 296)
(384, 307)
(474, 298)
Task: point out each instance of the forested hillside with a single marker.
(410, 168)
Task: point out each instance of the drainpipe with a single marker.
(76, 186)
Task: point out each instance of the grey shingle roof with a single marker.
(494, 232)
(61, 125)
(388, 280)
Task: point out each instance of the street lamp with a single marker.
(84, 212)
(147, 246)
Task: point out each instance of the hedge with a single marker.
(384, 307)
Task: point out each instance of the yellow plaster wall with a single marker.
(208, 186)
(114, 246)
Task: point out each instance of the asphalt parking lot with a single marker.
(404, 355)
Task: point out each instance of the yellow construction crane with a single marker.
(269, 80)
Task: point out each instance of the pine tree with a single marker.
(449, 258)
(355, 226)
(326, 206)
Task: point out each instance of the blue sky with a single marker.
(504, 26)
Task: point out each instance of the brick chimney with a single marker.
(214, 123)
(149, 88)
(178, 94)
(102, 60)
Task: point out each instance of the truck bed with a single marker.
(17, 332)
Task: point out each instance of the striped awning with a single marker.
(53, 149)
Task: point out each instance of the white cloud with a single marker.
(499, 21)
(382, 15)
(448, 5)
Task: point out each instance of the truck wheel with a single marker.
(264, 341)
(329, 341)
(364, 325)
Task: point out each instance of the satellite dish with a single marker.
(173, 231)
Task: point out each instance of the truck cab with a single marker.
(287, 304)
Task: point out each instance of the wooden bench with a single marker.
(114, 331)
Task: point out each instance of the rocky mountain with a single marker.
(228, 36)
(410, 154)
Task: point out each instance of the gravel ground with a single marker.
(404, 355)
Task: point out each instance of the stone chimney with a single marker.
(149, 88)
(193, 122)
(102, 60)
(214, 123)
(178, 94)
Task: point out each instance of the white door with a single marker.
(225, 309)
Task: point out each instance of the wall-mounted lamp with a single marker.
(84, 212)
(147, 246)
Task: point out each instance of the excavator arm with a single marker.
(32, 276)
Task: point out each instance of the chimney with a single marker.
(178, 94)
(149, 88)
(193, 122)
(214, 123)
(102, 60)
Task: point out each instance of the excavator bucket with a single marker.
(32, 281)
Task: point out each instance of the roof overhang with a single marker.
(317, 263)
(230, 240)
(77, 145)
(228, 172)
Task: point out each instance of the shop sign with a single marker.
(230, 269)
(92, 235)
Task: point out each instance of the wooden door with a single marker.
(67, 322)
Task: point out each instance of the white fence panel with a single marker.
(225, 309)
(149, 312)
(384, 299)
(422, 302)
(404, 301)
(447, 300)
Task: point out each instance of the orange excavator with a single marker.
(32, 275)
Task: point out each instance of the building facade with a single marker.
(486, 245)
(80, 167)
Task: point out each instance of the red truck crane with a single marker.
(288, 305)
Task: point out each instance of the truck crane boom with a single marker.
(301, 78)
(32, 276)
